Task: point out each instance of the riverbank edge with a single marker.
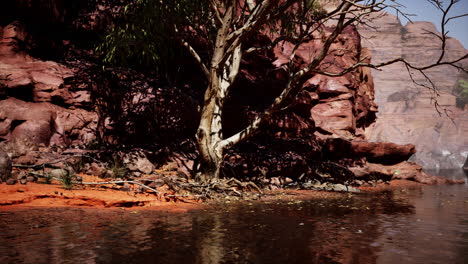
(36, 195)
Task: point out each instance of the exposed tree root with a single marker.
(97, 183)
(176, 187)
(181, 187)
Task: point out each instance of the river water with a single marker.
(422, 225)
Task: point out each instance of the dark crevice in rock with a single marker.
(15, 124)
(58, 100)
(25, 93)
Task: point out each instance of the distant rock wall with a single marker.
(406, 111)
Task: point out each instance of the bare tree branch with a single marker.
(216, 13)
(194, 54)
(196, 57)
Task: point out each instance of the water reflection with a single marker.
(414, 226)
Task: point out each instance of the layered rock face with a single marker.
(407, 112)
(38, 103)
(338, 107)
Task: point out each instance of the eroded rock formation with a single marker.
(38, 102)
(339, 107)
(407, 113)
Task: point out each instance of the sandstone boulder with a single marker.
(382, 152)
(138, 163)
(21, 147)
(44, 123)
(402, 171)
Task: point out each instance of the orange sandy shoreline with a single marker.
(54, 195)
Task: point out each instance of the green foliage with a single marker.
(149, 32)
(67, 180)
(118, 171)
(291, 23)
(77, 165)
(144, 37)
(117, 168)
(461, 92)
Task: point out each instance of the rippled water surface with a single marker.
(425, 225)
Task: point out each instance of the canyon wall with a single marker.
(58, 103)
(407, 111)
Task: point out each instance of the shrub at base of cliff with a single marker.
(461, 91)
(5, 166)
(291, 161)
(465, 166)
(137, 110)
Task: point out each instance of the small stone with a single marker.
(96, 169)
(136, 174)
(23, 181)
(126, 187)
(31, 179)
(11, 182)
(275, 181)
(21, 175)
(137, 162)
(58, 173)
(119, 179)
(139, 189)
(340, 188)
